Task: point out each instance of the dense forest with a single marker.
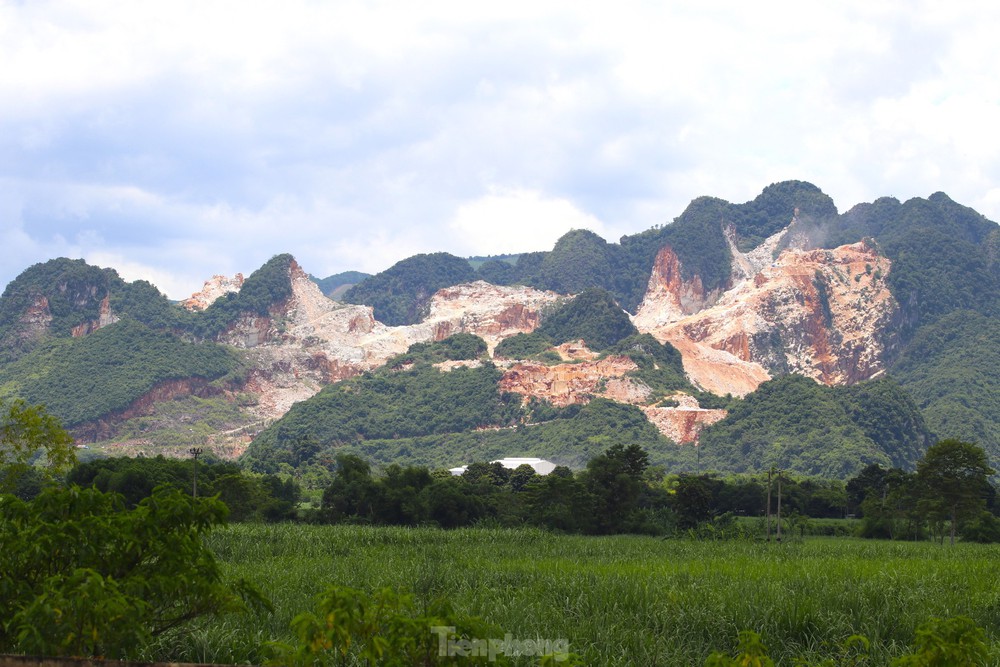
(84, 379)
(795, 424)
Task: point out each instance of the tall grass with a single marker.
(618, 600)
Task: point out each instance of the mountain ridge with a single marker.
(753, 287)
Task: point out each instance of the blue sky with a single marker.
(176, 140)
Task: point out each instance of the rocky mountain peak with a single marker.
(215, 287)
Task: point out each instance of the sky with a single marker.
(174, 140)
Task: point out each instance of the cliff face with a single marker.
(310, 340)
(565, 384)
(820, 313)
(214, 287)
(105, 318)
(34, 322)
(587, 377)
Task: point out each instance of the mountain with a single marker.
(336, 285)
(851, 338)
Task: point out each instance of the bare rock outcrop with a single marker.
(565, 384)
(105, 318)
(820, 313)
(35, 320)
(683, 423)
(215, 287)
(311, 340)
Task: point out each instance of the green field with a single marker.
(617, 600)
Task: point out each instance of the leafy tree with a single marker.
(84, 576)
(615, 478)
(27, 433)
(954, 476)
(870, 481)
(692, 500)
(521, 477)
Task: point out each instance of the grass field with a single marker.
(617, 600)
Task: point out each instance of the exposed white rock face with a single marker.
(312, 340)
(215, 287)
(820, 313)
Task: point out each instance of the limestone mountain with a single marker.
(671, 325)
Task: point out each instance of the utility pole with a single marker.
(195, 452)
(779, 506)
(768, 513)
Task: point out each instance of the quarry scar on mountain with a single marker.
(820, 313)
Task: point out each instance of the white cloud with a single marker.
(192, 138)
(515, 220)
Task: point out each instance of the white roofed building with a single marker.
(540, 466)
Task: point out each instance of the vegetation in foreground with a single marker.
(622, 599)
(91, 572)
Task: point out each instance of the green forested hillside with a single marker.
(84, 379)
(73, 291)
(578, 435)
(264, 288)
(331, 285)
(591, 316)
(660, 365)
(400, 294)
(384, 405)
(432, 418)
(795, 424)
(570, 436)
(942, 255)
(581, 259)
(952, 370)
(943, 348)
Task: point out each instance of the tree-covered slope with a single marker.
(71, 292)
(795, 424)
(83, 379)
(334, 286)
(943, 255)
(591, 316)
(385, 405)
(952, 369)
(83, 373)
(581, 259)
(576, 435)
(401, 293)
(660, 365)
(263, 289)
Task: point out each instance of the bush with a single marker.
(84, 576)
